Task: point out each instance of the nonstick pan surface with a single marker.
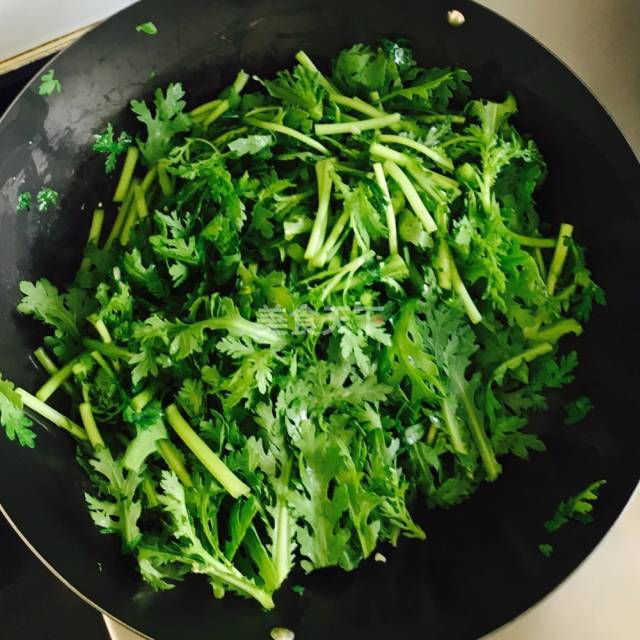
(480, 566)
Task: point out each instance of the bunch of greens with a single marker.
(319, 303)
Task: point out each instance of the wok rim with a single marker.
(634, 492)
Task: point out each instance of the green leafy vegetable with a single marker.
(147, 27)
(106, 143)
(24, 201)
(577, 410)
(16, 425)
(546, 550)
(250, 145)
(323, 301)
(49, 84)
(301, 88)
(578, 507)
(169, 120)
(46, 198)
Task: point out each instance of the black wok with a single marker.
(480, 566)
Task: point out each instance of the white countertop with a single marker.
(26, 24)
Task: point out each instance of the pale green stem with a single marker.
(166, 186)
(425, 183)
(331, 242)
(444, 266)
(109, 350)
(50, 414)
(411, 195)
(337, 246)
(224, 105)
(469, 306)
(120, 218)
(90, 426)
(96, 226)
(526, 356)
(204, 108)
(532, 241)
(225, 137)
(387, 153)
(440, 118)
(357, 105)
(101, 328)
(388, 208)
(442, 181)
(140, 202)
(288, 131)
(308, 64)
(443, 258)
(130, 219)
(50, 367)
(559, 256)
(148, 179)
(453, 427)
(353, 254)
(431, 435)
(319, 230)
(281, 529)
(445, 182)
(54, 382)
(433, 154)
(102, 363)
(555, 331)
(352, 103)
(150, 491)
(218, 469)
(221, 109)
(126, 175)
(348, 270)
(104, 334)
(357, 126)
(540, 262)
(142, 399)
(241, 81)
(458, 286)
(94, 235)
(489, 461)
(174, 460)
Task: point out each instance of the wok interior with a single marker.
(480, 565)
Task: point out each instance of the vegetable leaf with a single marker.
(17, 425)
(46, 198)
(578, 507)
(106, 143)
(250, 145)
(578, 410)
(49, 84)
(24, 201)
(168, 121)
(147, 27)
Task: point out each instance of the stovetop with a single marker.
(34, 605)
